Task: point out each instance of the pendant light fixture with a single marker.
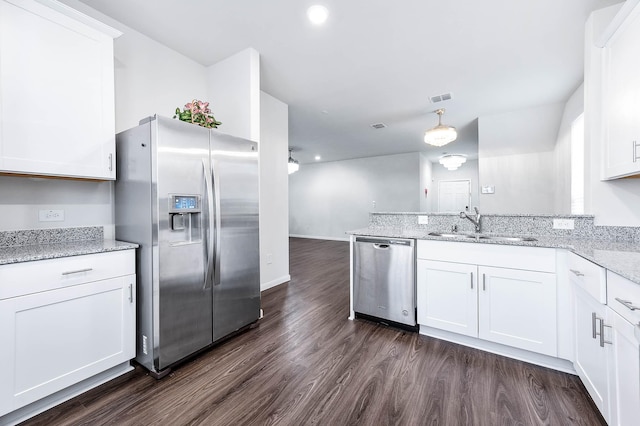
(441, 134)
(452, 161)
(292, 164)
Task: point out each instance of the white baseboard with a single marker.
(273, 283)
(496, 348)
(315, 237)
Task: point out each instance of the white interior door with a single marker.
(454, 195)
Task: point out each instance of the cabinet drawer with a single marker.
(32, 277)
(623, 296)
(589, 276)
(502, 256)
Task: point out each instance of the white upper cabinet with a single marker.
(621, 99)
(56, 92)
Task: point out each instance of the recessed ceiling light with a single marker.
(318, 158)
(317, 14)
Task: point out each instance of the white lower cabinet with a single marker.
(624, 371)
(66, 330)
(508, 306)
(607, 340)
(518, 308)
(447, 296)
(590, 353)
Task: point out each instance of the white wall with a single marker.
(274, 192)
(150, 78)
(426, 183)
(468, 171)
(516, 155)
(234, 92)
(616, 202)
(562, 187)
(328, 199)
(84, 203)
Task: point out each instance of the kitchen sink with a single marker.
(502, 238)
(481, 237)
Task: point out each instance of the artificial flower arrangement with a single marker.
(197, 112)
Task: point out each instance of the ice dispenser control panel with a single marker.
(184, 204)
(181, 210)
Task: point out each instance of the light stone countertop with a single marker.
(33, 252)
(621, 257)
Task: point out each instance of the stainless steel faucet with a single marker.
(475, 221)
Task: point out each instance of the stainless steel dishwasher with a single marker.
(384, 279)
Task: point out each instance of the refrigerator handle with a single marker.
(217, 222)
(208, 183)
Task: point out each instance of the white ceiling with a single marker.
(380, 61)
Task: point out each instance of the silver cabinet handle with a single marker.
(484, 282)
(635, 150)
(471, 280)
(130, 293)
(77, 271)
(628, 304)
(594, 333)
(110, 162)
(577, 273)
(602, 326)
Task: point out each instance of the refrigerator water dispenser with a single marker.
(185, 218)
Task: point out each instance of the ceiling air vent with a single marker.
(379, 126)
(441, 98)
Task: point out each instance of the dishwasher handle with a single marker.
(380, 246)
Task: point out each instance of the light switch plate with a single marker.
(423, 220)
(489, 189)
(51, 215)
(563, 223)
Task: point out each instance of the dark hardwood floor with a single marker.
(306, 363)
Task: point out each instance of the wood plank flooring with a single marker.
(307, 364)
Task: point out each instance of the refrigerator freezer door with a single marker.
(184, 296)
(236, 287)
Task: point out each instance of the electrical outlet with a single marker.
(269, 258)
(563, 223)
(51, 215)
(423, 220)
(373, 204)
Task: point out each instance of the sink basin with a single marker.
(445, 235)
(481, 237)
(501, 238)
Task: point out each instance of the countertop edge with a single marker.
(582, 247)
(31, 253)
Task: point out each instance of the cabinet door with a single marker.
(621, 94)
(518, 308)
(56, 94)
(447, 296)
(54, 339)
(591, 358)
(624, 372)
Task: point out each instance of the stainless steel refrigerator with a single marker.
(189, 197)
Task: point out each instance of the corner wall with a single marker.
(274, 192)
(516, 156)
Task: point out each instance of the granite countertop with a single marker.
(621, 257)
(28, 253)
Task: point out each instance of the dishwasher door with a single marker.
(384, 279)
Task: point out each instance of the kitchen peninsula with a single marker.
(562, 298)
